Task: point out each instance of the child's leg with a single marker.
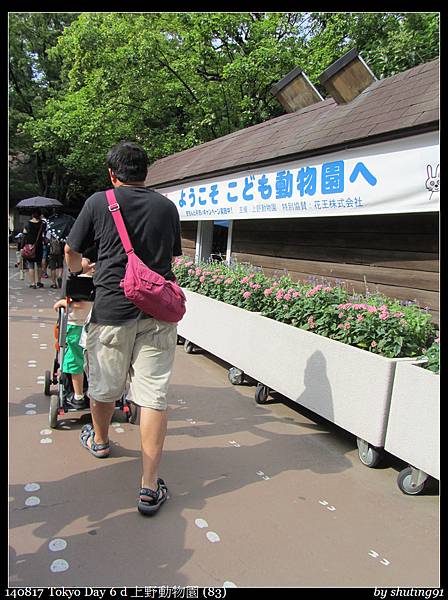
(74, 360)
(78, 384)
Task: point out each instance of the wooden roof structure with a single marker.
(401, 105)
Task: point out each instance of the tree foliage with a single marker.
(173, 80)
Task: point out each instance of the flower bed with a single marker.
(373, 323)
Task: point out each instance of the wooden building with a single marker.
(347, 191)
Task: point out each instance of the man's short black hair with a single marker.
(128, 161)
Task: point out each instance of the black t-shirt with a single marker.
(32, 232)
(153, 226)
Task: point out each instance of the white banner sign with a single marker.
(400, 176)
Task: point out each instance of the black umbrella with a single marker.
(38, 202)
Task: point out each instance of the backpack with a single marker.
(150, 292)
(56, 246)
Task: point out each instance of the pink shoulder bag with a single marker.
(150, 292)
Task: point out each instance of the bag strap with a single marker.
(118, 218)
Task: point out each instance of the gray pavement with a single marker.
(260, 496)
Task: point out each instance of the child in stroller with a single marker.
(68, 368)
(77, 312)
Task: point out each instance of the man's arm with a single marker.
(73, 259)
(76, 262)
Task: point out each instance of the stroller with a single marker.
(77, 289)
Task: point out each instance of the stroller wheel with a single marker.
(133, 413)
(54, 409)
(47, 383)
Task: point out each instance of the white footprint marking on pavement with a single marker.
(32, 487)
(30, 405)
(57, 544)
(383, 561)
(119, 429)
(46, 441)
(59, 565)
(233, 443)
(46, 432)
(327, 506)
(229, 584)
(30, 412)
(32, 501)
(262, 475)
(201, 523)
(213, 537)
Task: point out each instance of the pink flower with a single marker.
(341, 315)
(198, 271)
(202, 279)
(373, 344)
(399, 314)
(384, 316)
(256, 286)
(347, 326)
(268, 291)
(371, 309)
(228, 281)
(190, 271)
(360, 318)
(311, 322)
(279, 294)
(247, 295)
(245, 280)
(296, 294)
(189, 263)
(313, 291)
(287, 297)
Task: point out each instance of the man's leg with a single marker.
(102, 413)
(108, 351)
(153, 424)
(150, 373)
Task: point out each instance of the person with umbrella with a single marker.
(34, 232)
(59, 225)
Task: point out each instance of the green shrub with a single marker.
(372, 322)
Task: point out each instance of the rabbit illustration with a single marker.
(433, 181)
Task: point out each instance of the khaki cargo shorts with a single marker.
(143, 350)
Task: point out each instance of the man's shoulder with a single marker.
(163, 200)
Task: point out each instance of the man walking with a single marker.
(123, 342)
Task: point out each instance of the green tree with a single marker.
(33, 79)
(174, 80)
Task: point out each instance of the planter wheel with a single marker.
(47, 383)
(407, 486)
(236, 376)
(261, 393)
(54, 409)
(180, 340)
(368, 455)
(188, 347)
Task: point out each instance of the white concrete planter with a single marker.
(346, 385)
(413, 428)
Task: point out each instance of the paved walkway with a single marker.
(260, 496)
